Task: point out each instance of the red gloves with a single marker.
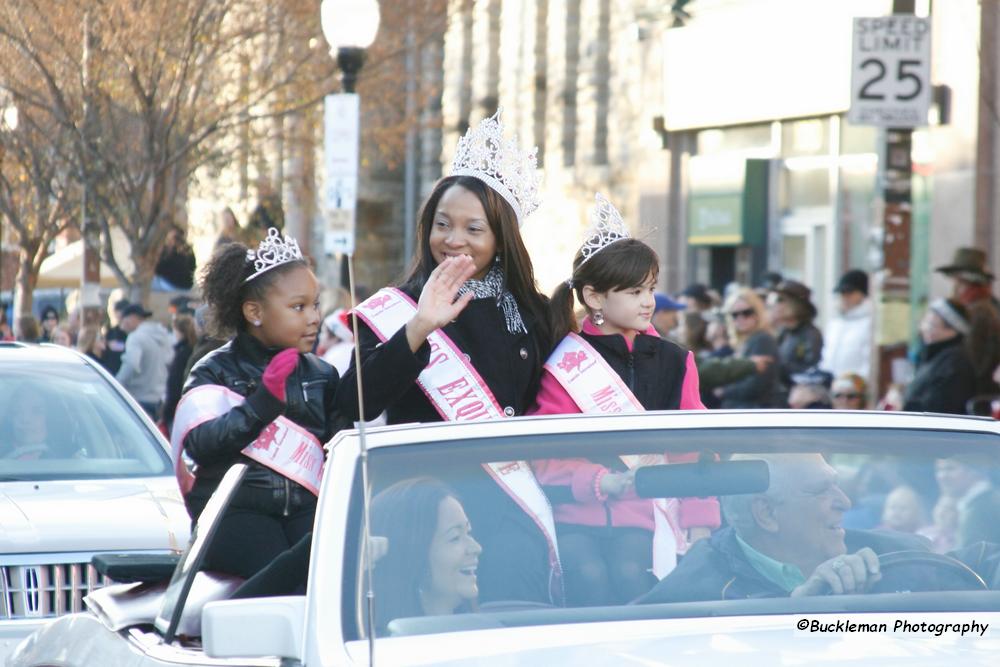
(278, 370)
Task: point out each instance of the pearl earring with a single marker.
(598, 317)
(256, 323)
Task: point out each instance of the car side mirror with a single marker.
(254, 627)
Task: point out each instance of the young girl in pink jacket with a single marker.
(611, 542)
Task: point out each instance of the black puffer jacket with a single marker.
(653, 369)
(216, 444)
(945, 379)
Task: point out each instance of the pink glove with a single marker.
(278, 370)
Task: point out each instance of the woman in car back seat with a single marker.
(430, 566)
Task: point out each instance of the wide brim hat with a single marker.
(968, 264)
(793, 289)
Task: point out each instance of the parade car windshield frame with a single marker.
(90, 431)
(845, 448)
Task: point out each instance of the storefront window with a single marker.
(804, 187)
(857, 215)
(745, 138)
(856, 139)
(805, 137)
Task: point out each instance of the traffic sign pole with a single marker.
(891, 88)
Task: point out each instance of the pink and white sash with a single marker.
(595, 388)
(459, 393)
(283, 446)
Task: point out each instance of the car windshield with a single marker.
(65, 421)
(460, 529)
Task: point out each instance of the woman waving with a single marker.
(463, 338)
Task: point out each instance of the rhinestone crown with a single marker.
(606, 227)
(273, 251)
(484, 154)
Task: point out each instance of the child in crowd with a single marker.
(609, 538)
(262, 399)
(904, 511)
(943, 532)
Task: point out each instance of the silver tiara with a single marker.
(484, 154)
(606, 227)
(273, 251)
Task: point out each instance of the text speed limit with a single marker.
(890, 71)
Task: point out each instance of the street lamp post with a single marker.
(350, 27)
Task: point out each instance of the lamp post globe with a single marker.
(349, 27)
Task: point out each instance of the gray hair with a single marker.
(738, 509)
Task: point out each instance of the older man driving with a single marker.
(788, 541)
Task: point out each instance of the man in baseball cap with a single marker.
(665, 314)
(148, 351)
(848, 338)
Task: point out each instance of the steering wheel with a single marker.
(921, 571)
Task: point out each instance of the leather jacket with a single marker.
(216, 444)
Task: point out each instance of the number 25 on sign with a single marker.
(890, 71)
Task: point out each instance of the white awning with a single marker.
(64, 268)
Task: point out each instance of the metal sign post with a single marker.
(340, 190)
(891, 89)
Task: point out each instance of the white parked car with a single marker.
(437, 560)
(83, 471)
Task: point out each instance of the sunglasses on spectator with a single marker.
(749, 312)
(851, 396)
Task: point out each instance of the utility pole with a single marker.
(410, 168)
(90, 285)
(985, 235)
(893, 334)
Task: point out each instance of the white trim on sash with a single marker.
(459, 393)
(595, 388)
(283, 446)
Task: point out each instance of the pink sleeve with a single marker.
(700, 512)
(690, 393)
(552, 399)
(578, 474)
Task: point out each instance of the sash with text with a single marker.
(595, 388)
(458, 393)
(283, 446)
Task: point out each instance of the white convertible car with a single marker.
(810, 497)
(83, 472)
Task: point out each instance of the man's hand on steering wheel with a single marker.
(846, 574)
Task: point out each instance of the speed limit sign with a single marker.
(891, 71)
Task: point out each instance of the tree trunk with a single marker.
(142, 277)
(27, 278)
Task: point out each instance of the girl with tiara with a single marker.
(262, 399)
(609, 538)
(463, 338)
